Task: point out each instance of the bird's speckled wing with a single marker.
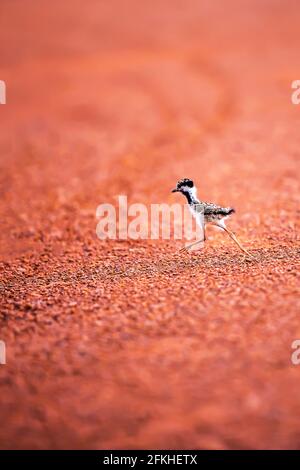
(210, 209)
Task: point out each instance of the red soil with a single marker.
(128, 344)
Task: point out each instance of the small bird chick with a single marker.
(212, 213)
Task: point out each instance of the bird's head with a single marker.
(185, 186)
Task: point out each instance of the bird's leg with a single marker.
(187, 247)
(233, 237)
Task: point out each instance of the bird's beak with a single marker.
(175, 190)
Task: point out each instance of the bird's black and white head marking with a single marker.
(187, 188)
(184, 185)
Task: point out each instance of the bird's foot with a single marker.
(184, 249)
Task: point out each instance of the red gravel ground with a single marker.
(127, 344)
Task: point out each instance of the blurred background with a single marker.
(125, 344)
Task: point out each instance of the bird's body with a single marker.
(213, 214)
(205, 212)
